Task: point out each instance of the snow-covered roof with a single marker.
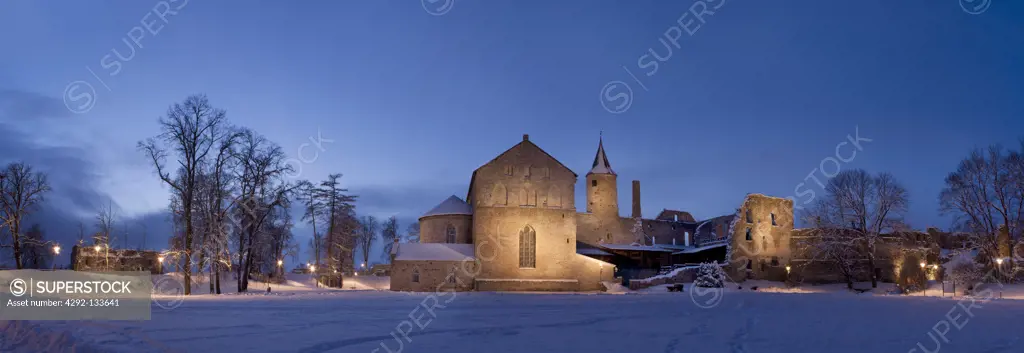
(702, 248)
(592, 252)
(601, 165)
(433, 252)
(632, 247)
(452, 205)
(672, 247)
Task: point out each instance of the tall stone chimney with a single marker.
(636, 200)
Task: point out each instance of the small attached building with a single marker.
(443, 260)
(431, 267)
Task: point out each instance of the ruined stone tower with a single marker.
(602, 192)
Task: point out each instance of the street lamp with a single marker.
(999, 267)
(56, 251)
(312, 273)
(925, 292)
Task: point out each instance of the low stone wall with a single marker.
(680, 275)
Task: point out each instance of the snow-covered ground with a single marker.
(297, 318)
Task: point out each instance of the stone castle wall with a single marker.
(765, 253)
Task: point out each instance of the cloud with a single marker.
(73, 178)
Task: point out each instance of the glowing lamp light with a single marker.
(357, 274)
(56, 249)
(362, 264)
(923, 264)
(280, 263)
(160, 259)
(312, 268)
(999, 261)
(935, 267)
(97, 248)
(788, 268)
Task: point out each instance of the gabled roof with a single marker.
(601, 165)
(450, 206)
(525, 142)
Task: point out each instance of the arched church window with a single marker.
(527, 248)
(416, 276)
(499, 195)
(449, 234)
(509, 170)
(527, 171)
(750, 216)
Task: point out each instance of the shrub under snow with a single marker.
(710, 275)
(964, 270)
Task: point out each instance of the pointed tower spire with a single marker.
(601, 165)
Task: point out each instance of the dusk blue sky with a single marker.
(752, 102)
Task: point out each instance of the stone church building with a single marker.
(518, 229)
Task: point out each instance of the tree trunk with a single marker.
(15, 229)
(248, 261)
(187, 203)
(871, 264)
(241, 257)
(218, 279)
(213, 272)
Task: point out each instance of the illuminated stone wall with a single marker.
(766, 252)
(433, 229)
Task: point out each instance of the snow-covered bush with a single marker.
(964, 270)
(710, 275)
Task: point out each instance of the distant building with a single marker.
(101, 258)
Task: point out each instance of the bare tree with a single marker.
(412, 233)
(21, 192)
(346, 229)
(261, 168)
(313, 209)
(190, 130)
(81, 233)
(836, 248)
(105, 219)
(36, 250)
(983, 194)
(218, 205)
(389, 234)
(337, 204)
(863, 206)
(367, 234)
